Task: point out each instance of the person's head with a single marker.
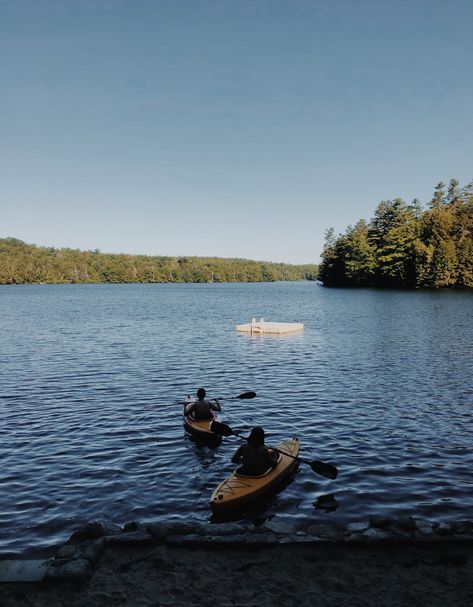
(201, 393)
(256, 437)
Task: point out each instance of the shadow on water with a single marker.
(327, 503)
(205, 451)
(202, 443)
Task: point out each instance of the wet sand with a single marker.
(350, 574)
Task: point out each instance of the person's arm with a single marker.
(189, 409)
(236, 459)
(215, 405)
(271, 458)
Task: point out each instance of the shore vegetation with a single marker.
(22, 263)
(405, 245)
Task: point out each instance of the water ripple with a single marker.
(379, 383)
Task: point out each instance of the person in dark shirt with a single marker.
(255, 456)
(202, 408)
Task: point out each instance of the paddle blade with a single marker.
(221, 429)
(246, 395)
(324, 469)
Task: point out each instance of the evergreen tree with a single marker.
(453, 194)
(439, 196)
(393, 233)
(332, 270)
(440, 263)
(404, 246)
(360, 259)
(463, 236)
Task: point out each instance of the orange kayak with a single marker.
(237, 491)
(200, 428)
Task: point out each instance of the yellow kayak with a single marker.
(238, 490)
(200, 428)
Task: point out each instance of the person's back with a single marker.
(202, 408)
(256, 459)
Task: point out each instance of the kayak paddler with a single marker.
(202, 408)
(255, 456)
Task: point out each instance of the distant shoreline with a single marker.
(22, 263)
(78, 284)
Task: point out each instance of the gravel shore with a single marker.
(352, 574)
(380, 562)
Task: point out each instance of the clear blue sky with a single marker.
(224, 127)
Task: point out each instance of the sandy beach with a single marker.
(352, 574)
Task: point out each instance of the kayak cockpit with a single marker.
(240, 471)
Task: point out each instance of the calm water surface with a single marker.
(379, 383)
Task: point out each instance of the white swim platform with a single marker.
(264, 326)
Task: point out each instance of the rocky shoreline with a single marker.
(380, 562)
(76, 559)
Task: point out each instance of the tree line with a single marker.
(405, 245)
(22, 263)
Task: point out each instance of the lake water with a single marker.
(380, 383)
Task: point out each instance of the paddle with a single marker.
(317, 466)
(244, 396)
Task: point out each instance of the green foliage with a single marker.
(392, 235)
(405, 246)
(360, 263)
(21, 263)
(333, 270)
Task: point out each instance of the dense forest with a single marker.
(406, 245)
(22, 263)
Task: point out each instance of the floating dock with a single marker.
(263, 326)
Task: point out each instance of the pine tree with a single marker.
(360, 259)
(453, 194)
(439, 196)
(393, 233)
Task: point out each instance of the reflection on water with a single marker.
(327, 503)
(379, 384)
